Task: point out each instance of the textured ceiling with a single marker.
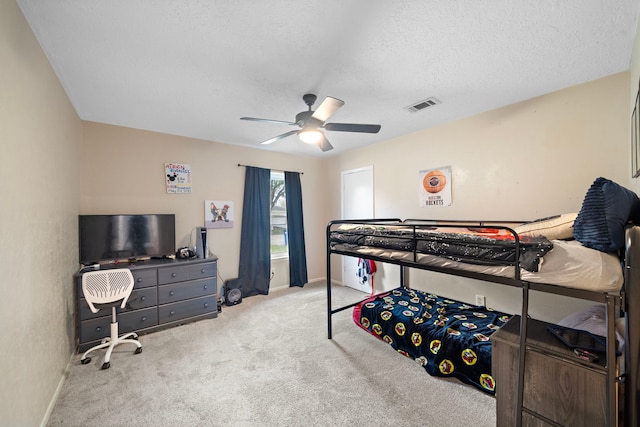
(193, 68)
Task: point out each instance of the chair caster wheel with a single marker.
(106, 365)
(85, 361)
(138, 350)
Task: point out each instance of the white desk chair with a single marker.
(109, 287)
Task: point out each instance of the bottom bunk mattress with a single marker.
(448, 338)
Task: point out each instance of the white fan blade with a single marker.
(329, 106)
(279, 137)
(254, 119)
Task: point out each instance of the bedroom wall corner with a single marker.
(41, 138)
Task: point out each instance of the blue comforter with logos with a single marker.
(448, 338)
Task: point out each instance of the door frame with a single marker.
(348, 263)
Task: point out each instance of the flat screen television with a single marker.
(113, 237)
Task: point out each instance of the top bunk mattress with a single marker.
(556, 262)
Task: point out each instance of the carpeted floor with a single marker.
(266, 362)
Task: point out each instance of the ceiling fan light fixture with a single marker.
(310, 136)
(312, 123)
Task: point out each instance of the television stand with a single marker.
(166, 293)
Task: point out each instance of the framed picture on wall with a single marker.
(218, 214)
(635, 138)
(177, 177)
(435, 187)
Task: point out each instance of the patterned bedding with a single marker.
(482, 245)
(448, 338)
(569, 264)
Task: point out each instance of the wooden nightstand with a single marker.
(558, 386)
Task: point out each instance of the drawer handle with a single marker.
(171, 293)
(173, 274)
(143, 298)
(171, 313)
(202, 271)
(98, 329)
(205, 287)
(206, 305)
(139, 280)
(144, 318)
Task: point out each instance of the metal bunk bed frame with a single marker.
(629, 297)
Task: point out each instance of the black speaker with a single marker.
(233, 292)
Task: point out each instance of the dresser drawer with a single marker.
(146, 297)
(191, 289)
(143, 298)
(202, 270)
(97, 329)
(185, 309)
(144, 278)
(136, 320)
(173, 274)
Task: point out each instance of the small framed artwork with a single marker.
(218, 214)
(177, 177)
(434, 186)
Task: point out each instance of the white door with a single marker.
(357, 203)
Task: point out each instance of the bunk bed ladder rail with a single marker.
(330, 310)
(524, 315)
(328, 264)
(612, 378)
(632, 324)
(611, 409)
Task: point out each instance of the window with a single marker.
(278, 205)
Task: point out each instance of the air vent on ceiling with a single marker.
(421, 105)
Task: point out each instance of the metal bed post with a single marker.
(632, 323)
(328, 233)
(522, 352)
(611, 410)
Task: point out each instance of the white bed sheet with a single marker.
(569, 264)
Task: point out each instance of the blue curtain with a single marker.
(295, 230)
(255, 240)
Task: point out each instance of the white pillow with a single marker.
(555, 228)
(594, 320)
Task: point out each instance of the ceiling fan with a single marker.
(312, 123)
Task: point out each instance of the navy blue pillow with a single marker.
(606, 210)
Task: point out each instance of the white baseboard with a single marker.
(54, 398)
(286, 285)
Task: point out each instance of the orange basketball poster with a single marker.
(435, 187)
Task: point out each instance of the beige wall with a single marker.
(40, 140)
(525, 161)
(123, 172)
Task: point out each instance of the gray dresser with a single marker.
(166, 293)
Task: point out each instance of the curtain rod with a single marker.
(301, 173)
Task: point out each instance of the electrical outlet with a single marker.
(481, 300)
